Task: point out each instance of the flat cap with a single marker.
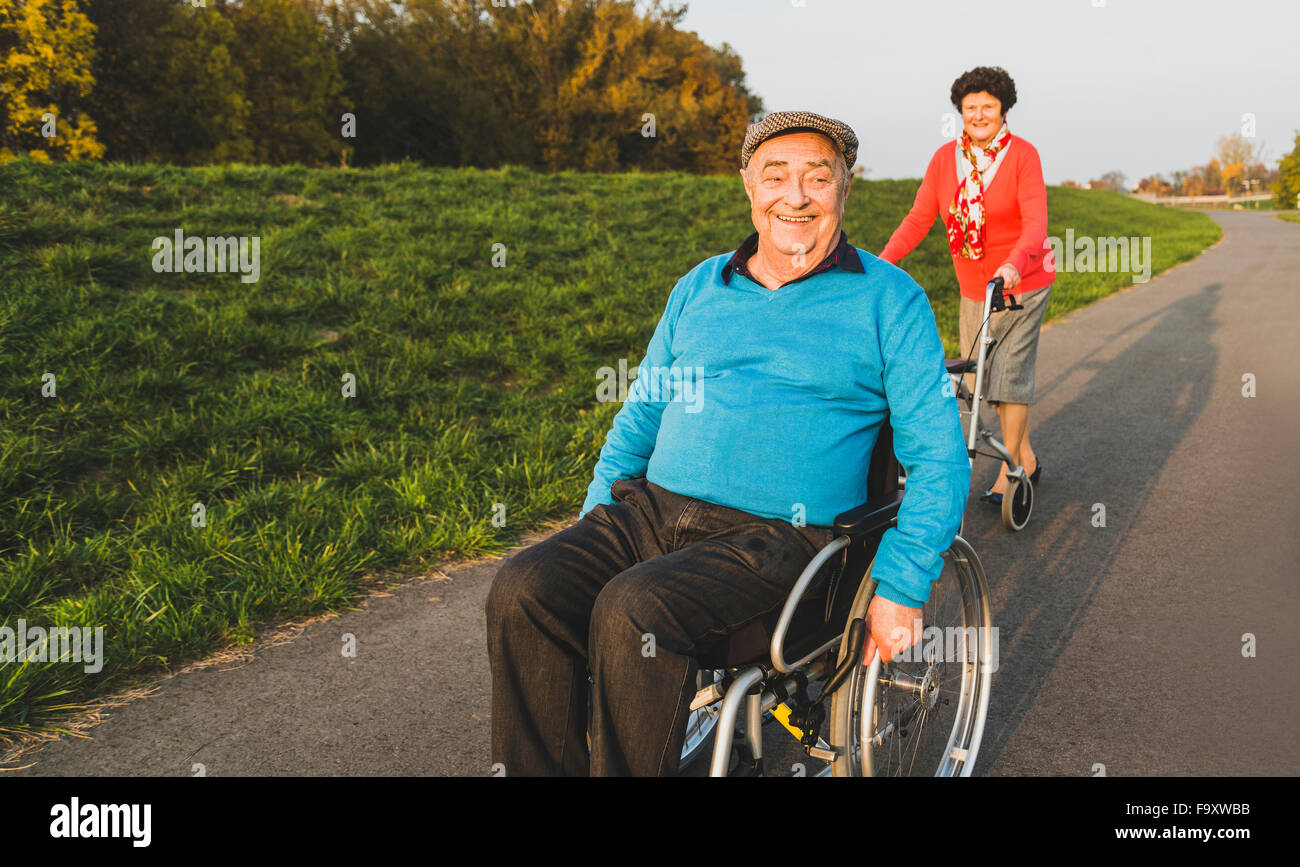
(780, 122)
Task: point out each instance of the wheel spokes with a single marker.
(923, 712)
(915, 710)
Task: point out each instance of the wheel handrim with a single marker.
(928, 712)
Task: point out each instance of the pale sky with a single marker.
(1139, 86)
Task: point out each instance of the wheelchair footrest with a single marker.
(707, 696)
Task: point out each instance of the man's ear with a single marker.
(744, 179)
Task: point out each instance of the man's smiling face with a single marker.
(797, 184)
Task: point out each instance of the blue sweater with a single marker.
(770, 402)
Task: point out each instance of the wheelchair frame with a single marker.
(759, 687)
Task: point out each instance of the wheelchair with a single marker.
(922, 714)
(1018, 501)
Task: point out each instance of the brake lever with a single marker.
(999, 303)
(1003, 301)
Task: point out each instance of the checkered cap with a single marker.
(779, 122)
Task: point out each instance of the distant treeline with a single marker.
(598, 85)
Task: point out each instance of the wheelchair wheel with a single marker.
(1017, 504)
(923, 714)
(699, 726)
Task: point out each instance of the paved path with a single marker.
(1120, 645)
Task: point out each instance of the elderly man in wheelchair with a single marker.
(746, 544)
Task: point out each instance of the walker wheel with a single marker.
(1017, 504)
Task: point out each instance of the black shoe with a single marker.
(996, 499)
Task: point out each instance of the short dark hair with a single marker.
(993, 79)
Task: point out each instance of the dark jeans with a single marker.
(686, 572)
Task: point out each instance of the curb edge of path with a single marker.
(275, 634)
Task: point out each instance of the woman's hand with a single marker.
(1010, 276)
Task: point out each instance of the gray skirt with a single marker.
(1009, 372)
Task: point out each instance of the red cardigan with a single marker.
(1015, 219)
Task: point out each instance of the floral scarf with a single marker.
(966, 213)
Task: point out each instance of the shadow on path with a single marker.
(1107, 446)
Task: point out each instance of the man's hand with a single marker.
(890, 627)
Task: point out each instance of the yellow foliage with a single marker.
(595, 72)
(54, 47)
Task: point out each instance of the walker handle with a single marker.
(1001, 302)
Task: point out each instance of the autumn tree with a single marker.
(46, 48)
(1241, 162)
(424, 80)
(1286, 191)
(1212, 175)
(168, 86)
(291, 82)
(1237, 167)
(622, 89)
(597, 85)
(1113, 180)
(693, 94)
(1155, 184)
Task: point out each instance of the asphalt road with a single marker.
(1120, 645)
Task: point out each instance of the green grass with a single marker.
(1289, 216)
(475, 385)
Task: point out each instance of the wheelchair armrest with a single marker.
(871, 517)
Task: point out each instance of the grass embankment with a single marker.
(475, 385)
(1289, 216)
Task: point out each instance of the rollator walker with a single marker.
(1018, 501)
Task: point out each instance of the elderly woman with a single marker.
(988, 187)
